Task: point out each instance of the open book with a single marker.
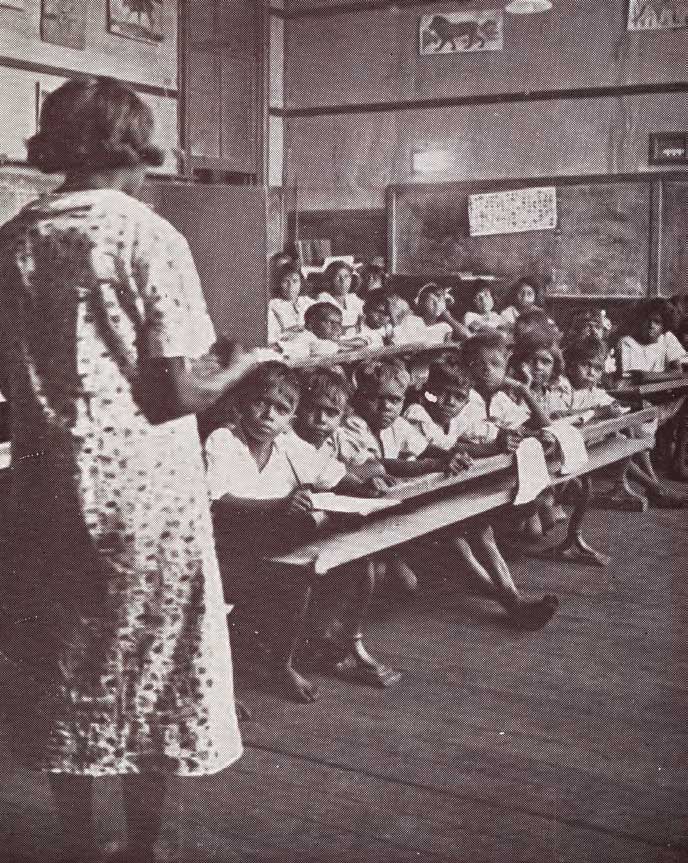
(327, 501)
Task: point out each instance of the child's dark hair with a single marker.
(431, 289)
(442, 374)
(264, 377)
(512, 295)
(535, 325)
(375, 299)
(372, 273)
(377, 373)
(524, 348)
(590, 347)
(653, 308)
(317, 311)
(485, 340)
(327, 381)
(283, 273)
(93, 124)
(332, 270)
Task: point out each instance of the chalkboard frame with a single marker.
(654, 181)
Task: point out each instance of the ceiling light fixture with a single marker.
(528, 7)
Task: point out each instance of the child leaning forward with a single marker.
(260, 473)
(452, 418)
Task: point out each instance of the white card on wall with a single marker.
(513, 211)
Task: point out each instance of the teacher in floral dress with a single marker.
(106, 354)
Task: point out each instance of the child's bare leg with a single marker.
(622, 495)
(293, 628)
(357, 663)
(659, 494)
(574, 547)
(73, 796)
(401, 574)
(526, 612)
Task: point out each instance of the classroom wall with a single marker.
(350, 61)
(30, 67)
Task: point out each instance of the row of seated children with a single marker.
(283, 438)
(568, 382)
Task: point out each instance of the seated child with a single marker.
(373, 278)
(440, 326)
(322, 336)
(376, 328)
(585, 364)
(510, 406)
(378, 433)
(338, 290)
(407, 328)
(482, 314)
(287, 308)
(448, 418)
(652, 348)
(592, 321)
(260, 473)
(538, 362)
(524, 296)
(325, 394)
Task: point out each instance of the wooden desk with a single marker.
(364, 354)
(434, 502)
(656, 385)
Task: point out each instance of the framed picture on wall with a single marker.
(63, 22)
(657, 15)
(136, 19)
(461, 32)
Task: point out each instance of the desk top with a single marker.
(662, 382)
(434, 502)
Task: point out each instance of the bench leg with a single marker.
(574, 548)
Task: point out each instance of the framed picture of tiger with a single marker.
(136, 19)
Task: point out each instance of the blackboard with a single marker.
(602, 245)
(674, 246)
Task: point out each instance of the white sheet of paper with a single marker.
(327, 501)
(533, 475)
(573, 451)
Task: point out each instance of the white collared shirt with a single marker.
(358, 444)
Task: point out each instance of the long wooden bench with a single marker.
(421, 507)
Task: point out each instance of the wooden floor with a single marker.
(566, 745)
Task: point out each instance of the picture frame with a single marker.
(63, 22)
(136, 19)
(657, 15)
(461, 32)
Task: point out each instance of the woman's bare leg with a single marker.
(143, 798)
(73, 796)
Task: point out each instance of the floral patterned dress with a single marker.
(119, 626)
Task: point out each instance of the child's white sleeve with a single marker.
(274, 326)
(221, 463)
(674, 349)
(413, 442)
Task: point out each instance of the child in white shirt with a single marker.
(440, 326)
(482, 315)
(287, 308)
(338, 291)
(524, 297)
(650, 347)
(324, 401)
(323, 334)
(376, 328)
(259, 474)
(446, 419)
(407, 328)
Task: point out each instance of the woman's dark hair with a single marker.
(284, 272)
(93, 124)
(331, 271)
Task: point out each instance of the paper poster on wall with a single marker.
(458, 32)
(513, 211)
(657, 15)
(63, 22)
(137, 19)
